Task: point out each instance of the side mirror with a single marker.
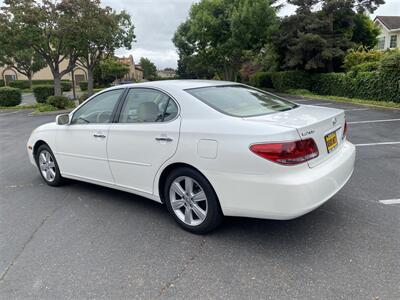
(62, 119)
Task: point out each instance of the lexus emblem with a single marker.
(334, 121)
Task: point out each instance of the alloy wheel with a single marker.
(47, 165)
(188, 200)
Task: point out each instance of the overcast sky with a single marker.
(157, 20)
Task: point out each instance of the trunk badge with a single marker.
(334, 121)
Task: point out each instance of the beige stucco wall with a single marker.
(45, 73)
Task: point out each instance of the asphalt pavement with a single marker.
(82, 241)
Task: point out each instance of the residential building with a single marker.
(79, 73)
(166, 73)
(389, 38)
(9, 74)
(135, 71)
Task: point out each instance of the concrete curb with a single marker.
(50, 113)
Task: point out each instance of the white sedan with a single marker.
(206, 149)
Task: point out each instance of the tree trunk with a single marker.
(90, 81)
(57, 85)
(30, 79)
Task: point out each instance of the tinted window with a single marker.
(147, 105)
(240, 101)
(97, 110)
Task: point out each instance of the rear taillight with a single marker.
(344, 130)
(287, 153)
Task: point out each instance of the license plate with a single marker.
(331, 141)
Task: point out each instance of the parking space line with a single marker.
(10, 113)
(302, 100)
(374, 121)
(356, 109)
(327, 103)
(377, 144)
(390, 201)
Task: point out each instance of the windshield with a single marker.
(240, 101)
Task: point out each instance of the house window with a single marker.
(393, 41)
(381, 43)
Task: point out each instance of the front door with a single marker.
(81, 146)
(144, 138)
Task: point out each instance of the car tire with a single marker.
(192, 201)
(48, 167)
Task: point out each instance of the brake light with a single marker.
(345, 130)
(287, 153)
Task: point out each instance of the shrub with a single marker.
(366, 67)
(20, 84)
(10, 96)
(357, 57)
(261, 80)
(2, 83)
(283, 81)
(83, 85)
(66, 86)
(58, 101)
(330, 84)
(42, 92)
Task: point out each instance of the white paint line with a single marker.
(377, 144)
(374, 121)
(356, 109)
(10, 113)
(327, 103)
(390, 201)
(302, 100)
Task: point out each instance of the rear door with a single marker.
(145, 136)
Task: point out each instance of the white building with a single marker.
(389, 38)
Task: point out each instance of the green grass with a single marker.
(19, 107)
(38, 107)
(374, 103)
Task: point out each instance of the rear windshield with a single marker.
(240, 101)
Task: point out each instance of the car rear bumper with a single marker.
(288, 196)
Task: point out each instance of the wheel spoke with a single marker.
(47, 156)
(188, 185)
(200, 213)
(177, 204)
(188, 215)
(200, 196)
(52, 173)
(42, 157)
(177, 188)
(51, 164)
(48, 176)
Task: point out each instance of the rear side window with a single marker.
(241, 101)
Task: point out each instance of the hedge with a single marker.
(66, 86)
(10, 96)
(261, 80)
(83, 85)
(2, 83)
(283, 81)
(58, 101)
(42, 92)
(20, 84)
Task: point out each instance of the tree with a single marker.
(111, 70)
(25, 61)
(104, 30)
(149, 68)
(50, 28)
(218, 32)
(317, 40)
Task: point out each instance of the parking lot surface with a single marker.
(82, 241)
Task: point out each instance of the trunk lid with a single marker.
(311, 122)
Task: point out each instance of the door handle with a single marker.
(163, 139)
(99, 135)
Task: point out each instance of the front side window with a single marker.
(147, 105)
(99, 109)
(393, 41)
(240, 101)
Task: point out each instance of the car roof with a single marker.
(181, 84)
